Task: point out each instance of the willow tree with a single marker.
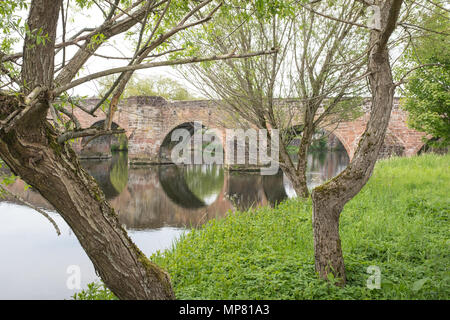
(320, 63)
(390, 31)
(329, 199)
(38, 150)
(326, 70)
(427, 88)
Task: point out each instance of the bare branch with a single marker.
(45, 214)
(93, 76)
(403, 79)
(416, 27)
(72, 117)
(86, 133)
(333, 18)
(108, 29)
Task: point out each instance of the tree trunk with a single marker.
(288, 167)
(327, 243)
(28, 145)
(297, 173)
(303, 157)
(330, 198)
(32, 152)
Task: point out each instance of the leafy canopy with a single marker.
(428, 89)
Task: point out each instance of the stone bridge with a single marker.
(149, 121)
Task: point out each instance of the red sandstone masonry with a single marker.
(147, 121)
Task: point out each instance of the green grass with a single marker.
(398, 222)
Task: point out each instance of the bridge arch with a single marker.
(338, 139)
(101, 147)
(392, 145)
(192, 127)
(342, 141)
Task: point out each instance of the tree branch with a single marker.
(45, 214)
(333, 18)
(402, 80)
(93, 76)
(86, 133)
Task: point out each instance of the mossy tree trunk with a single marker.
(28, 145)
(55, 172)
(330, 198)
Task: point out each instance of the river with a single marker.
(156, 204)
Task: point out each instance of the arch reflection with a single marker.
(191, 187)
(152, 197)
(111, 175)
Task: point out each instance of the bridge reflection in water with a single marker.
(152, 197)
(157, 204)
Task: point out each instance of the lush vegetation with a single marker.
(95, 291)
(428, 88)
(398, 222)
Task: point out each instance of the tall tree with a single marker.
(321, 50)
(38, 151)
(428, 84)
(329, 199)
(319, 62)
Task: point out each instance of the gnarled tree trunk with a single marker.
(330, 198)
(28, 145)
(55, 172)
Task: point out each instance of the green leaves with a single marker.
(96, 40)
(11, 23)
(268, 253)
(37, 35)
(270, 8)
(84, 3)
(6, 179)
(95, 291)
(428, 87)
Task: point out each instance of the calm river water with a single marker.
(155, 204)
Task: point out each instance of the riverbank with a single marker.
(398, 223)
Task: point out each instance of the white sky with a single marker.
(116, 46)
(119, 47)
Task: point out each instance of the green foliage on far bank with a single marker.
(399, 222)
(428, 87)
(150, 86)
